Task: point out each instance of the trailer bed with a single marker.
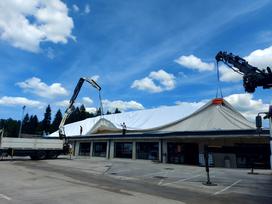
(30, 143)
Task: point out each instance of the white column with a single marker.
(108, 149)
(164, 151)
(160, 151)
(112, 149)
(133, 150)
(76, 148)
(91, 149)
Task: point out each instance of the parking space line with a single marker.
(165, 175)
(4, 196)
(228, 187)
(185, 179)
(124, 170)
(154, 173)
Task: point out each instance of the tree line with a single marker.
(32, 125)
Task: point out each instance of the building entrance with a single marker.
(182, 153)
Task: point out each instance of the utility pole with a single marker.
(21, 124)
(270, 124)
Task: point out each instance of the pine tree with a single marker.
(74, 116)
(10, 126)
(98, 112)
(56, 122)
(33, 124)
(26, 124)
(82, 112)
(117, 110)
(47, 120)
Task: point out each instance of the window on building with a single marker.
(147, 150)
(84, 149)
(99, 149)
(123, 150)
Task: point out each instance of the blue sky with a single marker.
(144, 54)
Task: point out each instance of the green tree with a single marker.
(10, 126)
(26, 124)
(33, 124)
(74, 116)
(83, 113)
(47, 120)
(56, 122)
(117, 110)
(98, 112)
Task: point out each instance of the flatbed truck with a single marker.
(45, 147)
(35, 148)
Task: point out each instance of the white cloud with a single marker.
(247, 105)
(50, 53)
(193, 105)
(63, 103)
(91, 109)
(193, 62)
(21, 101)
(166, 81)
(146, 84)
(75, 8)
(121, 105)
(87, 9)
(36, 86)
(87, 100)
(25, 24)
(260, 58)
(228, 75)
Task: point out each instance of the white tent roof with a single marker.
(211, 116)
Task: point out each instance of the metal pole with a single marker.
(101, 105)
(21, 124)
(270, 127)
(206, 158)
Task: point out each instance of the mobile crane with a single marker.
(252, 76)
(44, 148)
(70, 108)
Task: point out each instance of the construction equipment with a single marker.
(36, 148)
(70, 107)
(252, 76)
(44, 148)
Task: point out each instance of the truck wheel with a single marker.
(52, 155)
(39, 155)
(34, 157)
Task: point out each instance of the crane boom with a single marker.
(69, 109)
(252, 76)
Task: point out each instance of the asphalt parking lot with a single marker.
(126, 181)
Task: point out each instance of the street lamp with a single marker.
(21, 124)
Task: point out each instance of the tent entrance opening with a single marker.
(99, 149)
(123, 150)
(84, 149)
(147, 150)
(182, 153)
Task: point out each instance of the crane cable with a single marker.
(218, 82)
